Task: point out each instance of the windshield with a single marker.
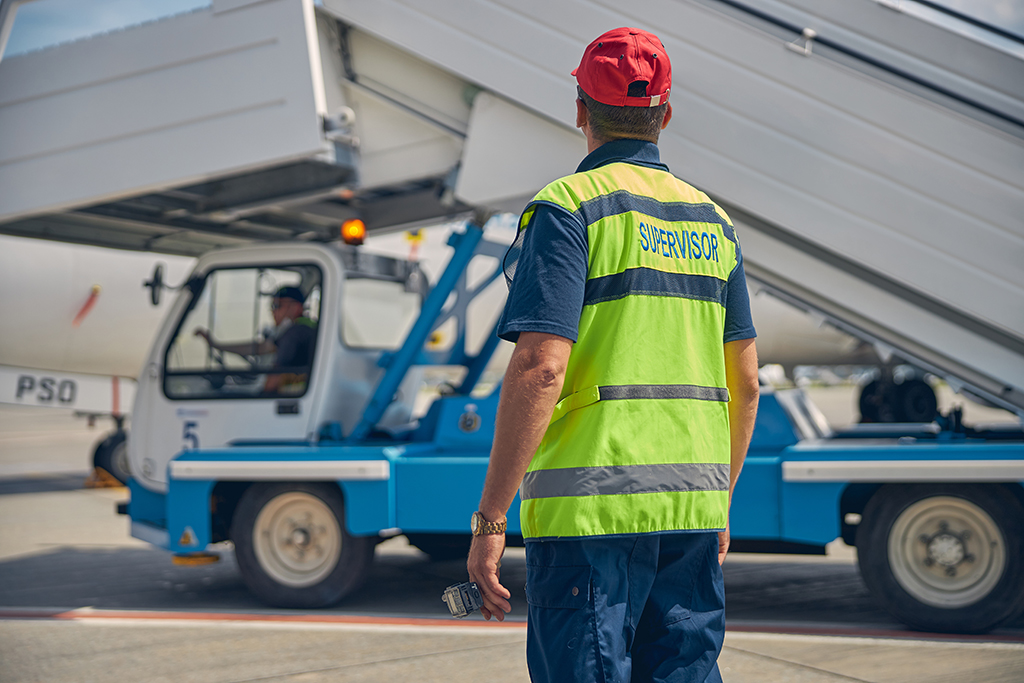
(248, 332)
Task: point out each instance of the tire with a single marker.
(944, 557)
(442, 547)
(916, 401)
(876, 402)
(292, 547)
(111, 455)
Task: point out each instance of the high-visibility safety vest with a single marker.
(639, 440)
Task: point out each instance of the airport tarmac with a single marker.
(82, 601)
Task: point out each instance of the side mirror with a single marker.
(155, 284)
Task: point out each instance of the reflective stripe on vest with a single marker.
(592, 395)
(639, 441)
(622, 479)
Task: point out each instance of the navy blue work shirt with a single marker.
(546, 292)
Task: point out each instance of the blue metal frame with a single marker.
(467, 244)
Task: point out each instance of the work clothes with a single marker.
(647, 373)
(294, 343)
(636, 608)
(622, 499)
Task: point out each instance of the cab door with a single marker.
(202, 395)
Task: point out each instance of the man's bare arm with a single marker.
(531, 388)
(741, 379)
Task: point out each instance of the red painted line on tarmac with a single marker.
(742, 627)
(867, 632)
(229, 616)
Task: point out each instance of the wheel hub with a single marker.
(300, 537)
(296, 539)
(946, 549)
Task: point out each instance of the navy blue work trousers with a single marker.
(647, 607)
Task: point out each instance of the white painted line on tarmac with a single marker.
(298, 622)
(408, 629)
(907, 642)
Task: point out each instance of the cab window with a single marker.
(247, 333)
(377, 314)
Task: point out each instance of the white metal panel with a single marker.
(396, 145)
(293, 470)
(917, 192)
(891, 319)
(410, 115)
(144, 109)
(519, 51)
(984, 69)
(871, 168)
(509, 149)
(903, 470)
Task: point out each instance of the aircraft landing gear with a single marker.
(110, 459)
(904, 398)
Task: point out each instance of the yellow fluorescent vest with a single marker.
(639, 440)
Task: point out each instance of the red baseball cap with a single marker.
(620, 57)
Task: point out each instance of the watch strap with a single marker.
(485, 528)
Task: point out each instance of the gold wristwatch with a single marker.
(481, 526)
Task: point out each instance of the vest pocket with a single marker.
(558, 587)
(579, 399)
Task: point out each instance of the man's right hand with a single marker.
(723, 544)
(484, 565)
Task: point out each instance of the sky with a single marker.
(43, 23)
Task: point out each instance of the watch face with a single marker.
(474, 522)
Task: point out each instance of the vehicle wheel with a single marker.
(111, 454)
(442, 547)
(916, 401)
(944, 557)
(292, 547)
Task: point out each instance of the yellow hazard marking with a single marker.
(195, 559)
(99, 478)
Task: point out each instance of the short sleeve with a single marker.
(738, 322)
(546, 293)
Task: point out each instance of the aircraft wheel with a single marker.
(916, 401)
(876, 402)
(292, 547)
(944, 557)
(111, 454)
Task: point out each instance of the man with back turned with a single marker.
(629, 401)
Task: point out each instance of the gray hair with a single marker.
(608, 122)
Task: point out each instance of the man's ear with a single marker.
(668, 115)
(582, 114)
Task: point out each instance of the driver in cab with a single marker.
(291, 342)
